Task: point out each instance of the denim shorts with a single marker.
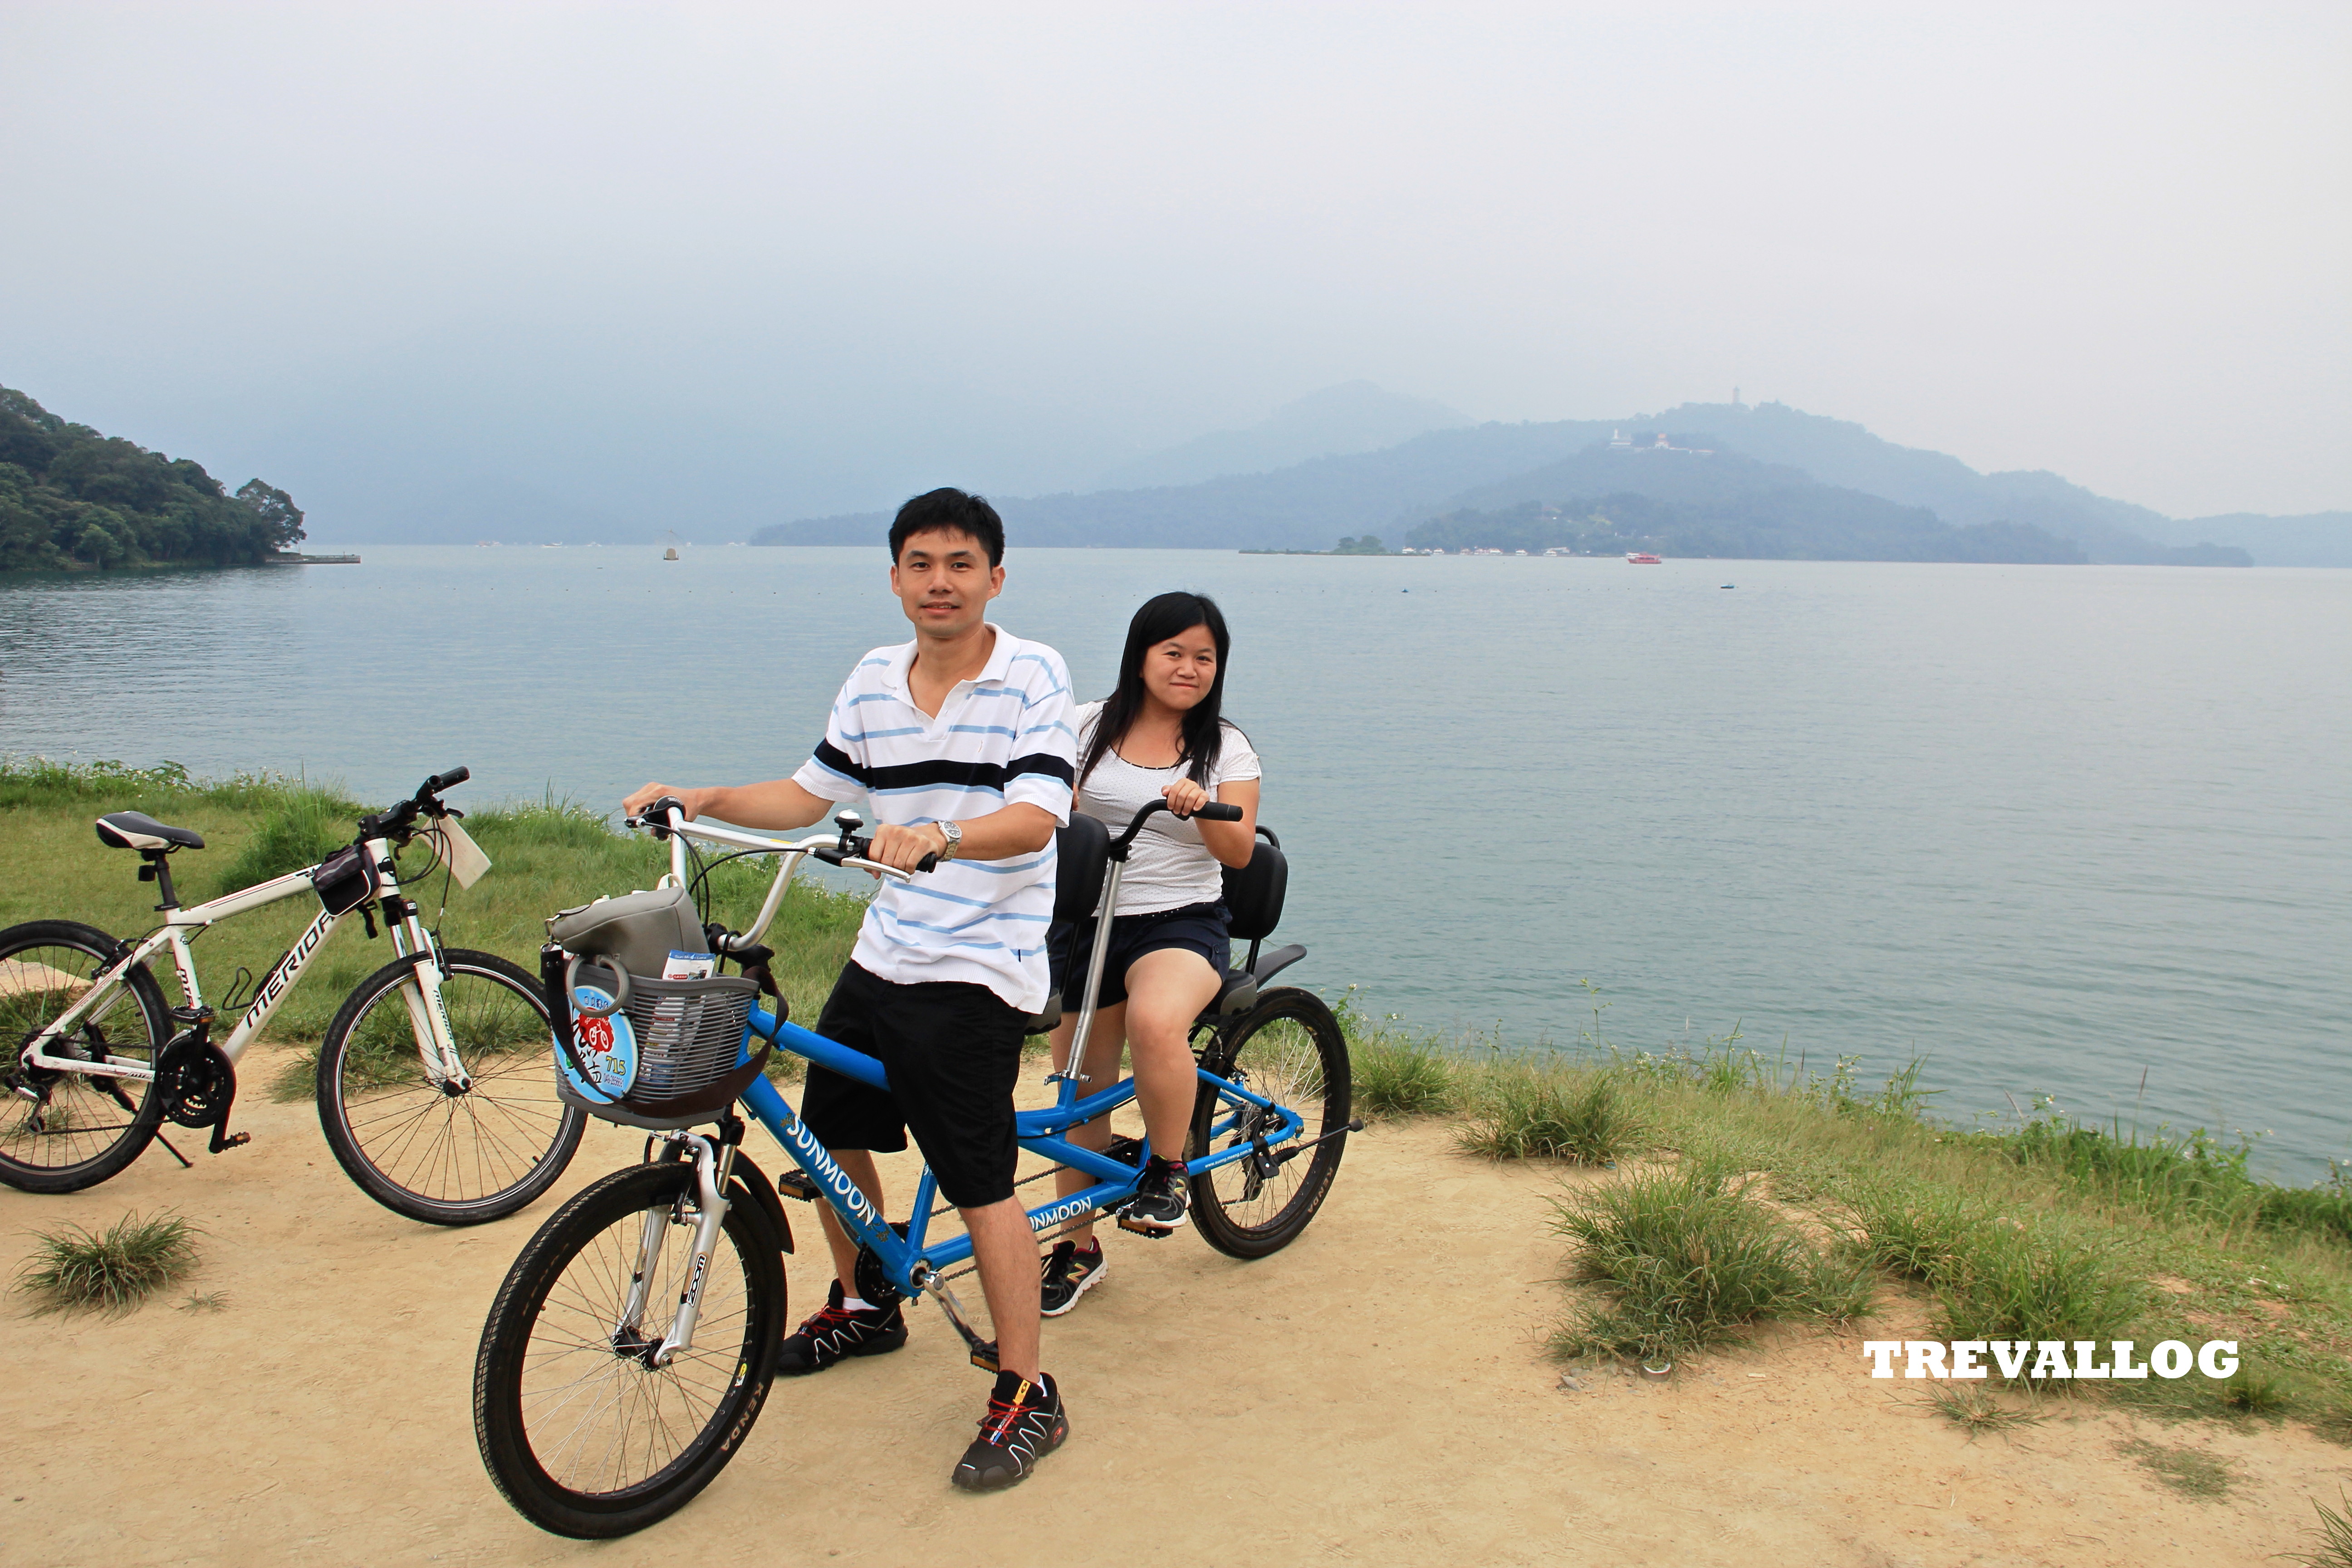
(1194, 928)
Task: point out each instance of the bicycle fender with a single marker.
(751, 1182)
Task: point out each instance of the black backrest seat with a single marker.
(1254, 892)
(137, 830)
(1082, 854)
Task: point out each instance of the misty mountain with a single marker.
(1493, 467)
(1839, 452)
(1304, 507)
(2315, 539)
(1353, 416)
(1687, 503)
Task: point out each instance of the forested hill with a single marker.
(72, 498)
(1687, 502)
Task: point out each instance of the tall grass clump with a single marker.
(2043, 1282)
(2335, 1537)
(1395, 1076)
(2194, 1176)
(1530, 1113)
(301, 829)
(72, 1269)
(1687, 1260)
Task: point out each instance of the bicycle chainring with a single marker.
(198, 1089)
(874, 1286)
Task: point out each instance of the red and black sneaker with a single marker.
(1025, 1422)
(836, 1333)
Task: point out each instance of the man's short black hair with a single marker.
(949, 509)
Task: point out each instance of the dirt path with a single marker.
(1375, 1393)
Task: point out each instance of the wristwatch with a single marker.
(953, 832)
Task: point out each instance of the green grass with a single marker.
(71, 1268)
(2335, 1537)
(1532, 1111)
(2189, 1470)
(1977, 1410)
(2037, 1229)
(547, 855)
(1687, 1258)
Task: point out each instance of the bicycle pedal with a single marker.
(797, 1185)
(984, 1356)
(221, 1145)
(1154, 1232)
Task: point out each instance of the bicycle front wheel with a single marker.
(1289, 1049)
(583, 1434)
(62, 1130)
(423, 1150)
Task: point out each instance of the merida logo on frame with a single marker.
(2048, 1358)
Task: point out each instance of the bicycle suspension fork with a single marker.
(714, 1163)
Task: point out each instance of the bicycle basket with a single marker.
(345, 880)
(671, 1056)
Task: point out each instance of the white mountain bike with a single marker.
(433, 1088)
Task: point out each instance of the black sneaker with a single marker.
(836, 1333)
(1025, 1422)
(1066, 1274)
(1159, 1205)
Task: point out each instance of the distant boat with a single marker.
(671, 553)
(1641, 558)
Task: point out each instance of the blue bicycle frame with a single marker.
(912, 1261)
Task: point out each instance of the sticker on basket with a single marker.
(607, 1045)
(689, 965)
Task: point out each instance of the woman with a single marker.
(1159, 736)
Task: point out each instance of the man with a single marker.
(962, 741)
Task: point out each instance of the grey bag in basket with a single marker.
(639, 930)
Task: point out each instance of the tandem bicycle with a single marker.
(632, 1344)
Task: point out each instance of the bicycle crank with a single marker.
(198, 1084)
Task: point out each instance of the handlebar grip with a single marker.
(927, 863)
(449, 780)
(1218, 811)
(655, 818)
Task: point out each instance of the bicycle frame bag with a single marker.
(345, 880)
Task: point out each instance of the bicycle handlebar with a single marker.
(449, 780)
(859, 850)
(1215, 811)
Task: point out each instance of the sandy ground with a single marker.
(1377, 1393)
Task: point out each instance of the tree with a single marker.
(1369, 546)
(278, 511)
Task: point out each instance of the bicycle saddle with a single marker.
(137, 830)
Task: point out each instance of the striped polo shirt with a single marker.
(1002, 738)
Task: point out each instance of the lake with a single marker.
(2051, 828)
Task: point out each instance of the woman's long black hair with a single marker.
(1203, 733)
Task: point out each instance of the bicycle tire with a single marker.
(432, 1156)
(1290, 1049)
(551, 1320)
(70, 1100)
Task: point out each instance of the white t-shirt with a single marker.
(1168, 866)
(1002, 738)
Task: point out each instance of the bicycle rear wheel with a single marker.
(579, 1432)
(417, 1149)
(1288, 1048)
(61, 1131)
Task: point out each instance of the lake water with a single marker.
(2049, 827)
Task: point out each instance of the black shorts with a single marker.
(953, 1053)
(1195, 928)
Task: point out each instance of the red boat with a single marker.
(1641, 558)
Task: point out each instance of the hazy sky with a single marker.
(384, 252)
